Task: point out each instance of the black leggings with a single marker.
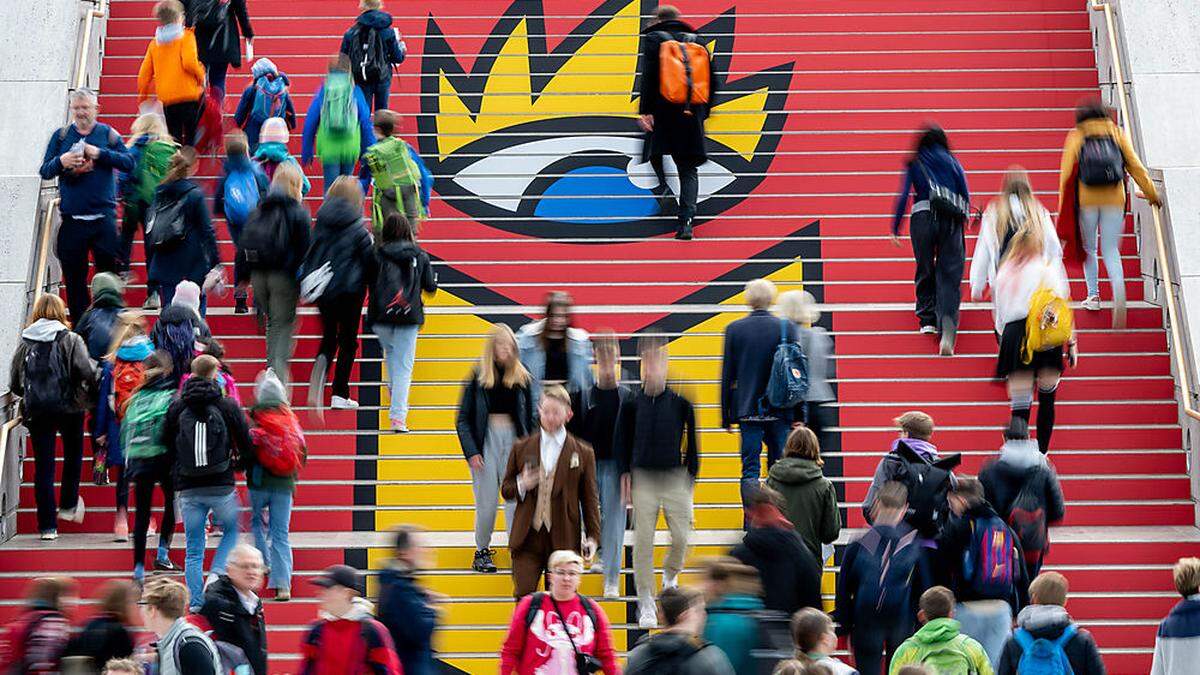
(147, 474)
(340, 319)
(182, 120)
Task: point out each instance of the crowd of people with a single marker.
(549, 423)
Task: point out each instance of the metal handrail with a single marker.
(43, 251)
(1164, 262)
(98, 12)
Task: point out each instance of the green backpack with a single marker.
(338, 110)
(949, 658)
(142, 427)
(391, 165)
(151, 167)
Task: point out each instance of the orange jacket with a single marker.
(173, 70)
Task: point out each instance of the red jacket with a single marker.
(543, 645)
(356, 644)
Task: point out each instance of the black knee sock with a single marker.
(1045, 418)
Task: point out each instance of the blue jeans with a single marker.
(195, 509)
(612, 519)
(376, 94)
(276, 505)
(754, 433)
(331, 171)
(399, 350)
(1106, 223)
(217, 73)
(989, 622)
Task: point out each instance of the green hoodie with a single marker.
(940, 647)
(732, 627)
(811, 501)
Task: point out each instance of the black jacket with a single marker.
(675, 132)
(401, 254)
(590, 425)
(1048, 622)
(339, 237)
(789, 571)
(952, 546)
(103, 638)
(657, 432)
(404, 609)
(471, 423)
(669, 653)
(197, 254)
(213, 49)
(96, 324)
(860, 573)
(231, 622)
(1020, 464)
(299, 232)
(198, 393)
(750, 344)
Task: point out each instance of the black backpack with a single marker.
(1101, 162)
(398, 287)
(333, 258)
(166, 228)
(202, 442)
(928, 486)
(266, 238)
(774, 636)
(369, 61)
(1027, 518)
(888, 583)
(47, 378)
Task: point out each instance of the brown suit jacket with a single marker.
(574, 492)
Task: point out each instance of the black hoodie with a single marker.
(197, 394)
(401, 254)
(671, 653)
(341, 240)
(787, 568)
(277, 205)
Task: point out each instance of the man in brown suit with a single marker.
(549, 503)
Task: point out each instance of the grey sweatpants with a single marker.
(485, 481)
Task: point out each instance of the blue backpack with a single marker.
(1044, 657)
(241, 194)
(270, 98)
(789, 372)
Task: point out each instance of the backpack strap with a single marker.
(1025, 638)
(535, 604)
(1067, 634)
(783, 330)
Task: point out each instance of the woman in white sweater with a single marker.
(1018, 252)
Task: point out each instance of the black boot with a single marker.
(239, 306)
(684, 230)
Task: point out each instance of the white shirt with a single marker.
(549, 451)
(249, 599)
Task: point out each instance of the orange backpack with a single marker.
(683, 70)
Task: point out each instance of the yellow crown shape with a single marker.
(596, 80)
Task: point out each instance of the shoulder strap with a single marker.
(783, 326)
(535, 603)
(1067, 634)
(589, 608)
(563, 621)
(1025, 638)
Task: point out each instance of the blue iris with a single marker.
(614, 199)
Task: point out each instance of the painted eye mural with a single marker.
(565, 161)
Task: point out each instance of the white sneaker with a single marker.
(612, 591)
(670, 581)
(1091, 303)
(928, 330)
(74, 515)
(50, 535)
(341, 403)
(597, 568)
(398, 426)
(151, 302)
(647, 617)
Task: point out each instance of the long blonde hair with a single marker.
(130, 323)
(515, 373)
(1016, 192)
(149, 124)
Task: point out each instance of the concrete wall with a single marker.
(37, 62)
(1162, 72)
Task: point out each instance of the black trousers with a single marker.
(873, 647)
(340, 319)
(76, 240)
(148, 473)
(182, 120)
(938, 249)
(689, 183)
(42, 433)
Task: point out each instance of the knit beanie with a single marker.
(263, 66)
(107, 282)
(274, 130)
(187, 294)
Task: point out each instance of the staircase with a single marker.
(817, 112)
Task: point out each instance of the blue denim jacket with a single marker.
(533, 355)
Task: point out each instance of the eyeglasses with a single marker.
(247, 566)
(566, 573)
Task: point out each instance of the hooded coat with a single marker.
(353, 643)
(96, 324)
(272, 81)
(1047, 622)
(79, 367)
(1020, 465)
(231, 622)
(170, 71)
(787, 568)
(270, 407)
(214, 49)
(671, 653)
(279, 206)
(811, 501)
(401, 254)
(197, 254)
(733, 627)
(936, 635)
(405, 611)
(340, 238)
(381, 21)
(197, 394)
(341, 149)
(271, 154)
(677, 131)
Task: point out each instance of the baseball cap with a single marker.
(339, 575)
